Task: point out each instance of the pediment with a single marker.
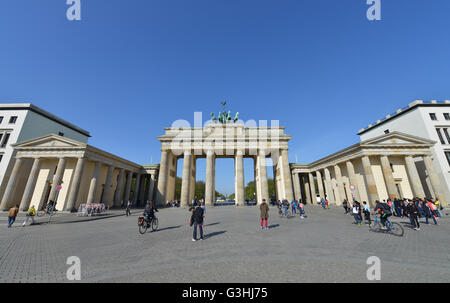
(50, 141)
(397, 138)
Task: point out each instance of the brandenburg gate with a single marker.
(224, 140)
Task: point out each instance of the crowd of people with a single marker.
(414, 209)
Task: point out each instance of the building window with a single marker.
(5, 141)
(61, 134)
(446, 135)
(446, 116)
(386, 131)
(438, 130)
(447, 155)
(433, 117)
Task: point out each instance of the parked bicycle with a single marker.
(47, 209)
(391, 227)
(144, 224)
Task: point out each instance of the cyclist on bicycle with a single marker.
(384, 210)
(149, 211)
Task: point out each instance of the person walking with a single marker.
(197, 221)
(264, 210)
(366, 211)
(355, 210)
(294, 207)
(30, 214)
(413, 213)
(128, 209)
(345, 205)
(301, 207)
(431, 207)
(12, 214)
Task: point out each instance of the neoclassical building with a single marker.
(70, 172)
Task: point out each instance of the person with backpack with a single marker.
(385, 212)
(197, 221)
(30, 214)
(264, 210)
(355, 210)
(12, 214)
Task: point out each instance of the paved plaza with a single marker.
(324, 247)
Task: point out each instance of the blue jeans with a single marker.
(432, 217)
(194, 236)
(357, 219)
(11, 221)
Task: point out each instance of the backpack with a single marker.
(385, 208)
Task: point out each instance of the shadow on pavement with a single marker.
(210, 224)
(167, 228)
(273, 226)
(216, 233)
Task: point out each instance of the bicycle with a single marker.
(144, 224)
(391, 227)
(48, 209)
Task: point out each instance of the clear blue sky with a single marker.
(130, 68)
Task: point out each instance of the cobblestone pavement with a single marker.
(324, 247)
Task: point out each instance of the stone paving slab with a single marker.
(324, 247)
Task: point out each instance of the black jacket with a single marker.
(197, 215)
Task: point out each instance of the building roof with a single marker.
(402, 111)
(40, 111)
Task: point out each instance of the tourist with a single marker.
(366, 211)
(264, 210)
(197, 221)
(431, 207)
(30, 214)
(327, 204)
(398, 208)
(293, 207)
(12, 214)
(322, 202)
(413, 213)
(345, 205)
(355, 210)
(128, 209)
(302, 209)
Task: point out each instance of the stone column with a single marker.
(108, 185)
(435, 181)
(263, 177)
(414, 178)
(57, 178)
(128, 188)
(162, 179)
(329, 187)
(186, 179)
(287, 180)
(151, 187)
(142, 189)
(31, 183)
(11, 184)
(239, 177)
(94, 183)
(297, 190)
(353, 179)
(119, 189)
(320, 184)
(307, 190)
(209, 186)
(193, 180)
(389, 178)
(313, 188)
(137, 186)
(75, 186)
(340, 184)
(372, 191)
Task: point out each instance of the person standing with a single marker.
(12, 214)
(264, 209)
(197, 220)
(345, 205)
(30, 214)
(294, 207)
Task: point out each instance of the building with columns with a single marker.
(392, 164)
